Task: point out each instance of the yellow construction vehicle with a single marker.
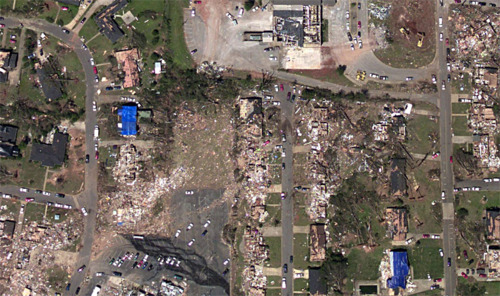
(360, 75)
(420, 39)
(405, 32)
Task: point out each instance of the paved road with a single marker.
(492, 186)
(287, 111)
(89, 197)
(449, 243)
(39, 197)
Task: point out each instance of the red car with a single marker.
(451, 159)
(482, 275)
(426, 235)
(281, 87)
(466, 256)
(438, 280)
(464, 275)
(2, 25)
(359, 24)
(197, 2)
(447, 41)
(64, 8)
(29, 199)
(12, 41)
(97, 155)
(95, 70)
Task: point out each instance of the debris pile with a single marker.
(256, 253)
(127, 166)
(376, 10)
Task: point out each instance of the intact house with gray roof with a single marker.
(398, 177)
(50, 155)
(106, 22)
(8, 136)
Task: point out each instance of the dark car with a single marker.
(136, 256)
(87, 158)
(283, 165)
(68, 286)
(109, 88)
(65, 31)
(77, 291)
(466, 256)
(285, 268)
(38, 191)
(449, 262)
(225, 272)
(60, 195)
(194, 51)
(117, 87)
(359, 5)
(41, 52)
(204, 232)
(359, 34)
(349, 36)
(1, 18)
(288, 95)
(83, 20)
(81, 268)
(293, 98)
(134, 265)
(117, 273)
(291, 259)
(150, 267)
(145, 265)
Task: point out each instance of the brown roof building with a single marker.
(127, 60)
(317, 245)
(397, 223)
(493, 224)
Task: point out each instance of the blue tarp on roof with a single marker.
(129, 120)
(399, 268)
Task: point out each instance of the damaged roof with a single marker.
(50, 154)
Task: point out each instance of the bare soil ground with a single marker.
(414, 16)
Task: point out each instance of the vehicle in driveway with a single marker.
(97, 155)
(83, 20)
(60, 195)
(451, 159)
(359, 24)
(65, 31)
(84, 211)
(194, 51)
(117, 273)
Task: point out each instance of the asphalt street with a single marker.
(492, 186)
(39, 197)
(287, 111)
(89, 197)
(449, 243)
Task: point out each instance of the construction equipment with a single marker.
(360, 75)
(421, 36)
(405, 32)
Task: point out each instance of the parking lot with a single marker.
(201, 263)
(216, 38)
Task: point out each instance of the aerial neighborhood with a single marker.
(249, 147)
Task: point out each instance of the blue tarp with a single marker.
(399, 268)
(129, 120)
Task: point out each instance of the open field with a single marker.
(9, 209)
(274, 244)
(418, 130)
(34, 212)
(460, 108)
(425, 259)
(457, 83)
(364, 265)
(460, 127)
(415, 17)
(23, 172)
(301, 251)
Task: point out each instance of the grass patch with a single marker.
(427, 213)
(274, 199)
(398, 56)
(58, 278)
(425, 259)
(301, 285)
(274, 218)
(364, 266)
(324, 30)
(29, 174)
(65, 17)
(10, 209)
(89, 30)
(75, 246)
(52, 211)
(332, 76)
(274, 292)
(273, 281)
(177, 44)
(34, 212)
(301, 218)
(274, 244)
(419, 129)
(301, 251)
(460, 127)
(460, 108)
(465, 83)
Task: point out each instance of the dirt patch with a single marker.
(64, 258)
(414, 17)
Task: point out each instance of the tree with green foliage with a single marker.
(249, 4)
(334, 271)
(462, 213)
(341, 69)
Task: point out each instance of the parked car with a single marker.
(22, 189)
(84, 211)
(81, 268)
(464, 275)
(65, 31)
(285, 268)
(95, 70)
(29, 199)
(359, 24)
(83, 20)
(60, 195)
(349, 36)
(207, 223)
(190, 226)
(441, 253)
(449, 262)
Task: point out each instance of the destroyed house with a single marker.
(127, 61)
(10, 62)
(106, 23)
(8, 150)
(128, 125)
(317, 242)
(317, 284)
(397, 223)
(51, 86)
(492, 221)
(50, 155)
(4, 75)
(398, 177)
(250, 107)
(8, 133)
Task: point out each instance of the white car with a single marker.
(476, 188)
(22, 210)
(283, 283)
(352, 46)
(435, 236)
(347, 14)
(240, 12)
(207, 223)
(68, 207)
(94, 106)
(441, 253)
(22, 189)
(92, 62)
(440, 36)
(409, 241)
(466, 189)
(348, 27)
(229, 16)
(177, 233)
(496, 179)
(189, 192)
(273, 58)
(443, 195)
(374, 75)
(487, 180)
(276, 89)
(360, 44)
(96, 146)
(440, 22)
(276, 103)
(409, 78)
(84, 211)
(193, 12)
(226, 262)
(46, 193)
(443, 85)
(191, 242)
(99, 273)
(190, 226)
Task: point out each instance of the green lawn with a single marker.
(34, 212)
(274, 198)
(301, 285)
(274, 244)
(274, 292)
(398, 56)
(276, 280)
(67, 16)
(57, 277)
(11, 210)
(177, 43)
(425, 259)
(460, 108)
(418, 130)
(52, 211)
(465, 82)
(364, 266)
(460, 127)
(274, 215)
(30, 174)
(427, 213)
(301, 218)
(89, 30)
(301, 251)
(333, 76)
